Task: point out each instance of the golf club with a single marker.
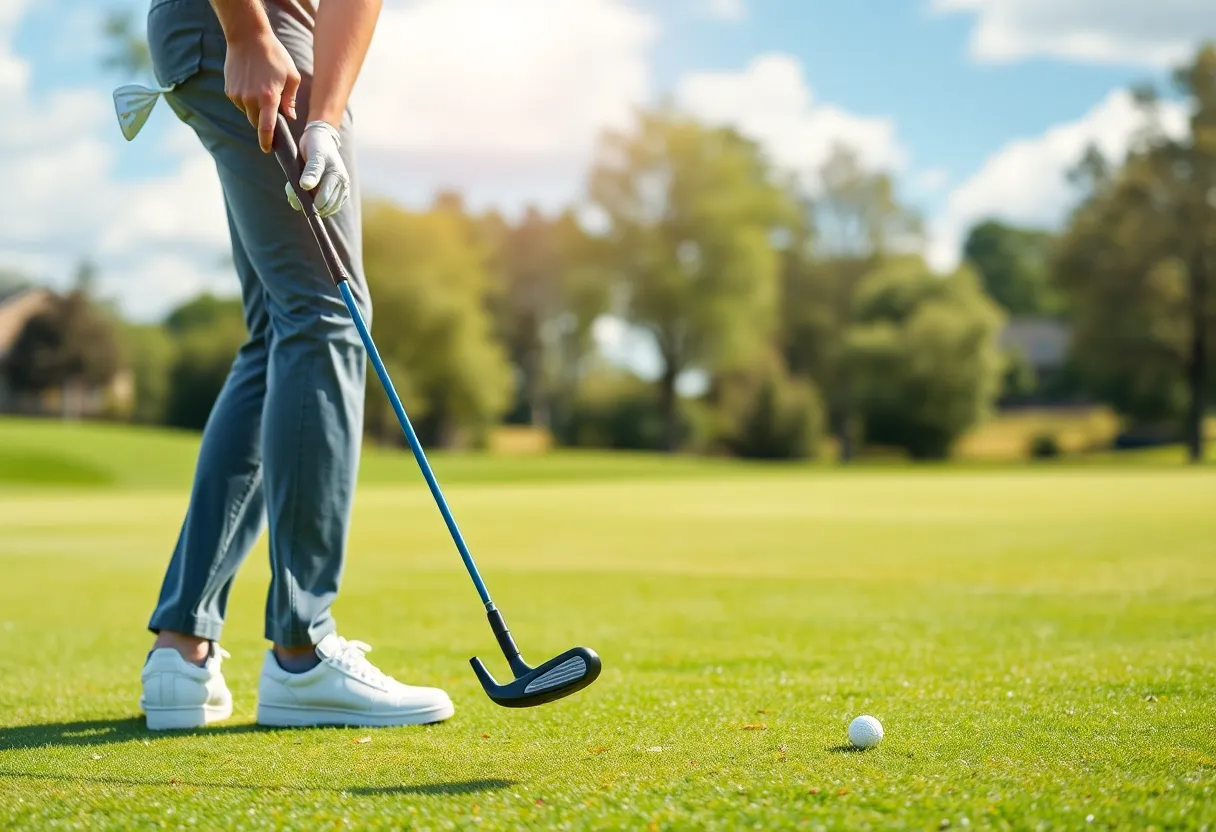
(560, 676)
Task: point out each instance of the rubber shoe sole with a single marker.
(185, 717)
(286, 716)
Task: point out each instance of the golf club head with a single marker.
(561, 676)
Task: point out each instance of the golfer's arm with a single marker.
(242, 20)
(343, 34)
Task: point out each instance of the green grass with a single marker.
(35, 453)
(1039, 644)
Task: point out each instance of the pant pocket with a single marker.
(175, 41)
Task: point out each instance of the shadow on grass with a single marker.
(845, 749)
(112, 731)
(449, 788)
(461, 787)
(102, 732)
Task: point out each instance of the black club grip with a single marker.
(288, 155)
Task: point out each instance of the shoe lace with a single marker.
(351, 656)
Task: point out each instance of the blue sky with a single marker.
(897, 59)
(976, 105)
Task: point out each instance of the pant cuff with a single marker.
(190, 625)
(300, 637)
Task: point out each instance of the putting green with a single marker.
(1038, 646)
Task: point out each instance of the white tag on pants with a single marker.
(133, 103)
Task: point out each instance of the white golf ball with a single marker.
(865, 732)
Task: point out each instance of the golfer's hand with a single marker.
(324, 169)
(260, 79)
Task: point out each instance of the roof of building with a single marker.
(1044, 341)
(18, 308)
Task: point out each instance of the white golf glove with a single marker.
(324, 169)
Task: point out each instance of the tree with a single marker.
(150, 353)
(856, 213)
(204, 312)
(768, 414)
(127, 46)
(203, 358)
(429, 283)
(615, 409)
(194, 349)
(850, 226)
(69, 346)
(550, 288)
(1138, 263)
(1014, 265)
(923, 351)
(690, 211)
(12, 282)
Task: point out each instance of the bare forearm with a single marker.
(343, 34)
(242, 20)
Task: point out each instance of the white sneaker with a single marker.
(178, 694)
(344, 689)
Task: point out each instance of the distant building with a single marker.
(1043, 341)
(1045, 344)
(69, 401)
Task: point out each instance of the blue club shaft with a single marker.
(415, 445)
(286, 152)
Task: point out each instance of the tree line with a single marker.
(802, 305)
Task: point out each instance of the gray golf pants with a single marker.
(281, 447)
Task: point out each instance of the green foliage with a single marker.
(1138, 266)
(1044, 446)
(550, 285)
(12, 282)
(200, 367)
(206, 311)
(180, 368)
(1130, 297)
(857, 215)
(70, 343)
(691, 210)
(852, 224)
(429, 284)
(1019, 381)
(615, 410)
(149, 352)
(923, 356)
(767, 414)
(1014, 265)
(127, 46)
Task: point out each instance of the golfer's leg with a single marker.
(313, 410)
(226, 509)
(312, 429)
(183, 686)
(227, 504)
(312, 415)
(312, 421)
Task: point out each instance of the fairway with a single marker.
(1038, 643)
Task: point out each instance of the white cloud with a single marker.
(771, 102)
(728, 9)
(501, 99)
(504, 100)
(1130, 32)
(931, 181)
(156, 240)
(1024, 182)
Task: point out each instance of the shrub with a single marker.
(766, 414)
(1045, 446)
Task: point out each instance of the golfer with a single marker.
(281, 447)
